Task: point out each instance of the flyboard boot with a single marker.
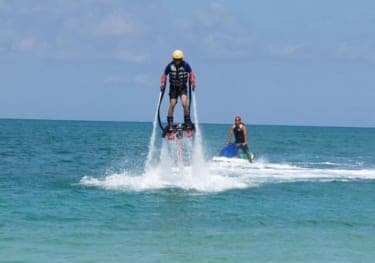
(188, 126)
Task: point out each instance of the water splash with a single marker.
(179, 153)
(151, 146)
(224, 175)
(198, 163)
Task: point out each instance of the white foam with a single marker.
(222, 175)
(160, 178)
(151, 146)
(278, 172)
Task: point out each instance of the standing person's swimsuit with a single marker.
(239, 136)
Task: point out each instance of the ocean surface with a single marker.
(77, 191)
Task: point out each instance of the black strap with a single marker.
(161, 99)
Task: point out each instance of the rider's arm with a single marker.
(192, 79)
(229, 135)
(245, 134)
(163, 79)
(191, 75)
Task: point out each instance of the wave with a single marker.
(222, 174)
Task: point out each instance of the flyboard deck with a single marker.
(178, 131)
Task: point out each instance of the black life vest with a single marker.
(239, 134)
(178, 75)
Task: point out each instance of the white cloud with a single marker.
(109, 31)
(2, 4)
(115, 79)
(77, 30)
(219, 34)
(353, 50)
(126, 79)
(131, 56)
(118, 24)
(284, 50)
(228, 45)
(144, 80)
(216, 17)
(24, 45)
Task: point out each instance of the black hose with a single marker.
(160, 100)
(189, 98)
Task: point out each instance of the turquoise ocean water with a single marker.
(75, 191)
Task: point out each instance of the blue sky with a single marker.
(291, 62)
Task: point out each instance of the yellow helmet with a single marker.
(177, 54)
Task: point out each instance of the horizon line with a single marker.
(213, 123)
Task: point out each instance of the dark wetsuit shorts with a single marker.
(175, 92)
(244, 148)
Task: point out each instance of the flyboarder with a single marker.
(179, 72)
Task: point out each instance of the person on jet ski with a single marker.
(240, 135)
